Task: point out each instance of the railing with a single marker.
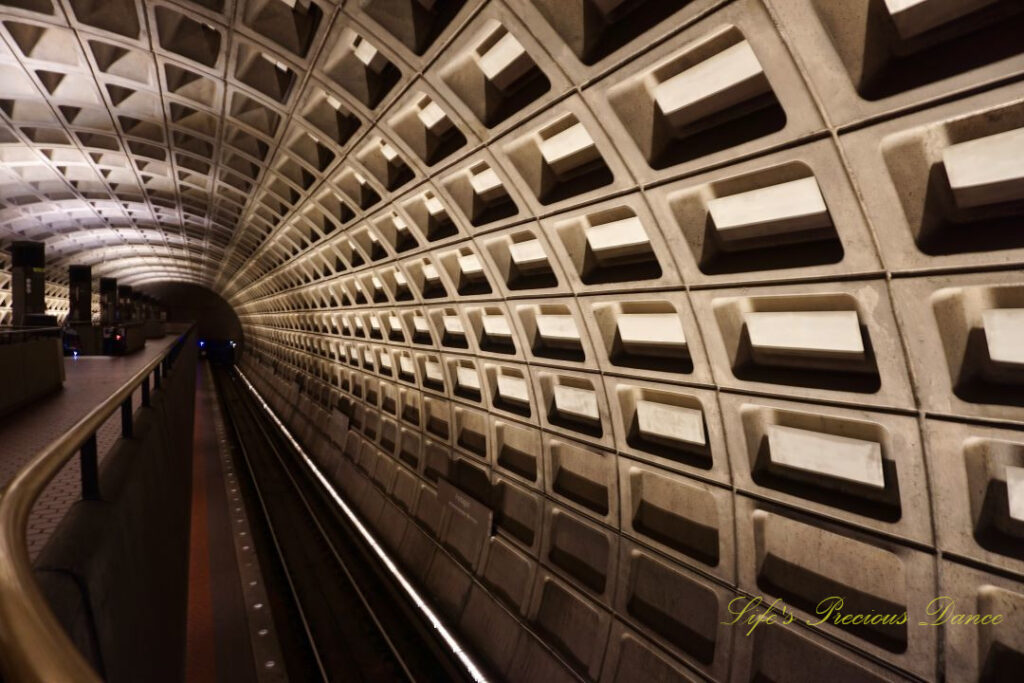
(33, 644)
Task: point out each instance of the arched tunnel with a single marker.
(512, 340)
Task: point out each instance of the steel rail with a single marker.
(34, 647)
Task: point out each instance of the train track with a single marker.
(348, 620)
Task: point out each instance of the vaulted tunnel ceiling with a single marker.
(628, 269)
(138, 136)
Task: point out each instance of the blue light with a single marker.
(202, 343)
(74, 355)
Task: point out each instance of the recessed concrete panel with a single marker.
(676, 428)
(631, 657)
(575, 626)
(791, 339)
(783, 215)
(982, 614)
(682, 114)
(676, 608)
(858, 467)
(786, 555)
(687, 519)
(866, 59)
(975, 474)
(963, 365)
(583, 552)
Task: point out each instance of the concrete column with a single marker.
(138, 307)
(80, 294)
(108, 301)
(124, 303)
(28, 281)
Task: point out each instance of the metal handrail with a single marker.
(13, 329)
(33, 644)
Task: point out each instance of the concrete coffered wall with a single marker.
(704, 299)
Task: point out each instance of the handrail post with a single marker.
(156, 376)
(145, 392)
(90, 470)
(126, 417)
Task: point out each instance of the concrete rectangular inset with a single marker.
(825, 334)
(671, 425)
(690, 520)
(582, 477)
(813, 340)
(966, 336)
(675, 607)
(804, 561)
(508, 572)
(612, 245)
(827, 454)
(499, 72)
(674, 427)
(1004, 335)
(618, 239)
(914, 17)
(720, 88)
(988, 170)
(977, 475)
(518, 450)
(651, 334)
(628, 653)
(565, 158)
(655, 334)
(720, 81)
(792, 206)
(978, 647)
(569, 149)
(574, 625)
(587, 553)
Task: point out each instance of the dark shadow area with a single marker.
(522, 463)
(215, 318)
(643, 267)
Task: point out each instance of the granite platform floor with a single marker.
(89, 380)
